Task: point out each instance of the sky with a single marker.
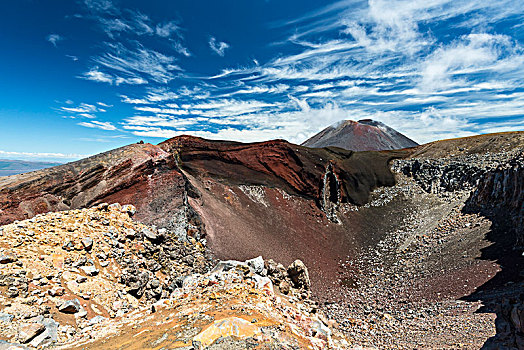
(81, 77)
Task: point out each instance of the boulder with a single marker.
(149, 234)
(257, 265)
(70, 306)
(28, 331)
(6, 257)
(90, 270)
(50, 335)
(299, 275)
(87, 242)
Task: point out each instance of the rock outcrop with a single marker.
(151, 288)
(500, 193)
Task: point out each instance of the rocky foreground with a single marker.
(96, 279)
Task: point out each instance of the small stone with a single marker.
(130, 233)
(87, 242)
(257, 264)
(298, 273)
(81, 313)
(129, 209)
(6, 317)
(70, 306)
(96, 320)
(12, 292)
(57, 291)
(29, 331)
(152, 236)
(7, 257)
(90, 270)
(114, 206)
(48, 336)
(284, 287)
(68, 246)
(155, 283)
(81, 279)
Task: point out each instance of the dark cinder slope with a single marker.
(13, 166)
(364, 135)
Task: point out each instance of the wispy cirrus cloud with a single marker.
(218, 47)
(432, 69)
(101, 6)
(168, 29)
(137, 62)
(98, 125)
(54, 38)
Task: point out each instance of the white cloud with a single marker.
(137, 101)
(167, 29)
(141, 60)
(82, 108)
(141, 23)
(103, 6)
(54, 39)
(94, 74)
(40, 155)
(181, 49)
(87, 115)
(130, 81)
(218, 47)
(114, 25)
(98, 125)
(473, 51)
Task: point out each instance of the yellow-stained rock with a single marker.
(227, 327)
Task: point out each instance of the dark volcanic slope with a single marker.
(13, 167)
(280, 164)
(364, 135)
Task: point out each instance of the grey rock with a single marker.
(130, 233)
(298, 273)
(152, 236)
(129, 209)
(226, 265)
(87, 242)
(50, 335)
(90, 270)
(4, 317)
(257, 265)
(115, 206)
(28, 331)
(70, 306)
(7, 257)
(11, 346)
(96, 320)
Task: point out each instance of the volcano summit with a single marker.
(364, 135)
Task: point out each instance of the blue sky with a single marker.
(81, 77)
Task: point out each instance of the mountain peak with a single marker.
(362, 135)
